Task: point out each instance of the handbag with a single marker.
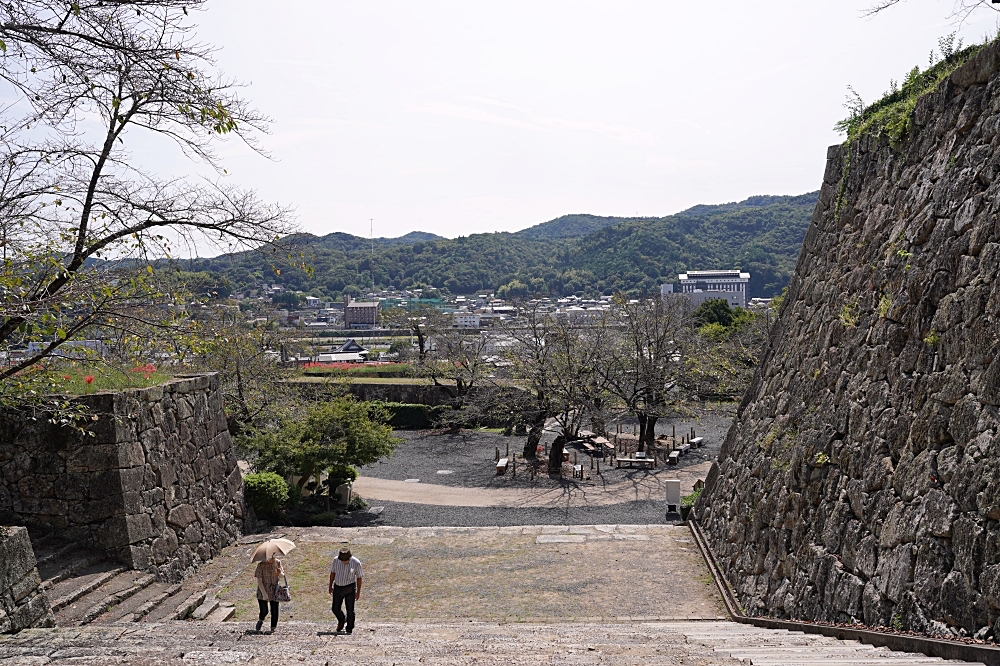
(281, 592)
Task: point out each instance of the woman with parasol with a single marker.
(268, 571)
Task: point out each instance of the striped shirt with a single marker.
(345, 573)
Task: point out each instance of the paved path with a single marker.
(539, 573)
(584, 493)
(455, 643)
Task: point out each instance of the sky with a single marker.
(468, 117)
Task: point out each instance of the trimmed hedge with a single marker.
(265, 492)
(409, 416)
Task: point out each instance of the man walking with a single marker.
(345, 586)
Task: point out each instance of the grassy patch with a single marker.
(81, 380)
(891, 115)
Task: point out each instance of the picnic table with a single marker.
(697, 441)
(631, 462)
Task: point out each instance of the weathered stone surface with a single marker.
(22, 603)
(130, 488)
(870, 432)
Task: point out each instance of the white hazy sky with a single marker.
(464, 117)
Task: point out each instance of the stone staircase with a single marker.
(85, 588)
(693, 643)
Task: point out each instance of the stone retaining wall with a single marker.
(860, 481)
(153, 482)
(22, 603)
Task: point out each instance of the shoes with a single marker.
(340, 627)
(350, 631)
(258, 626)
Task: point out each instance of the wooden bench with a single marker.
(584, 434)
(587, 446)
(674, 457)
(684, 449)
(648, 462)
(501, 467)
(697, 441)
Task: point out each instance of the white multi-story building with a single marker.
(467, 320)
(702, 286)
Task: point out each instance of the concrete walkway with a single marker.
(582, 493)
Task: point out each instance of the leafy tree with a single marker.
(714, 311)
(81, 220)
(648, 360)
(337, 433)
(287, 298)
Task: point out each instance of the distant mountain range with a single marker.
(586, 254)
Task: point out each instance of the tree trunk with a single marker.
(534, 436)
(650, 430)
(642, 431)
(556, 455)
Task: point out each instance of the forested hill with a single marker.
(571, 254)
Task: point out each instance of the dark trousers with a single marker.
(263, 612)
(344, 594)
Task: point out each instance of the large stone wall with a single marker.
(860, 481)
(153, 482)
(23, 604)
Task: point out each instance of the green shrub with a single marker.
(325, 519)
(689, 500)
(357, 503)
(265, 492)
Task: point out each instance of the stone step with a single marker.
(140, 601)
(830, 660)
(61, 569)
(169, 611)
(202, 611)
(221, 614)
(69, 590)
(111, 593)
(162, 599)
(44, 558)
(482, 643)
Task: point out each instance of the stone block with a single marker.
(36, 612)
(96, 510)
(16, 557)
(139, 557)
(92, 458)
(131, 454)
(234, 483)
(140, 527)
(192, 535)
(112, 533)
(25, 586)
(104, 484)
(181, 515)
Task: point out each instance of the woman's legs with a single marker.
(263, 612)
(274, 614)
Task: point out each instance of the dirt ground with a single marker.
(516, 574)
(459, 469)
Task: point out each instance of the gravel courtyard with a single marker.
(450, 479)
